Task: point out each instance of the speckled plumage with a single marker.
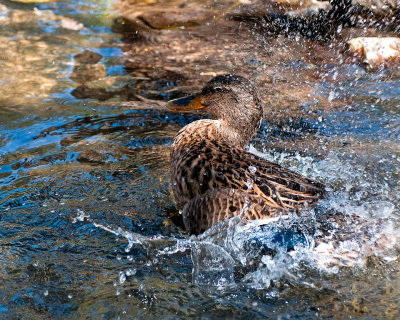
(214, 178)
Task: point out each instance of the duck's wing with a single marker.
(278, 187)
(218, 205)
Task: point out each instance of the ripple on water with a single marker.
(85, 184)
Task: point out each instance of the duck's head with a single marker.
(233, 100)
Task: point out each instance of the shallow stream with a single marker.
(84, 194)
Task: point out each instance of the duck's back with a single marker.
(213, 181)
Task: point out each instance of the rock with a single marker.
(382, 7)
(88, 57)
(85, 92)
(135, 29)
(88, 72)
(92, 156)
(172, 18)
(376, 52)
(86, 68)
(23, 17)
(71, 24)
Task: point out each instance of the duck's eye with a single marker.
(212, 90)
(220, 89)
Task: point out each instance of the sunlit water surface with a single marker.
(84, 188)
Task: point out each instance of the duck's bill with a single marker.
(186, 104)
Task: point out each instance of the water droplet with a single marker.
(252, 169)
(331, 96)
(130, 272)
(249, 184)
(122, 277)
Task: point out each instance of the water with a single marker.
(84, 189)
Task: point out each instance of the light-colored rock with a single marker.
(379, 6)
(375, 51)
(71, 24)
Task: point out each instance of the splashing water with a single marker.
(85, 187)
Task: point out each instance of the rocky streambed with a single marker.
(88, 225)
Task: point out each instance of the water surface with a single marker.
(85, 196)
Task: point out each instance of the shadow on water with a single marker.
(86, 227)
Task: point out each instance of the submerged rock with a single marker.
(88, 72)
(88, 57)
(376, 52)
(86, 68)
(92, 156)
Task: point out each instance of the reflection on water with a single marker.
(85, 201)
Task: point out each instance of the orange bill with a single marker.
(186, 103)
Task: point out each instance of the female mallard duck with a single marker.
(213, 177)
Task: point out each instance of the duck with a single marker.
(213, 177)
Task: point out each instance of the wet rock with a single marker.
(63, 22)
(88, 72)
(69, 141)
(383, 7)
(131, 30)
(92, 156)
(172, 14)
(172, 18)
(85, 92)
(22, 16)
(87, 57)
(376, 52)
(86, 68)
(71, 24)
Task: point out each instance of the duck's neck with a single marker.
(240, 130)
(216, 130)
(236, 136)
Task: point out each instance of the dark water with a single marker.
(84, 189)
